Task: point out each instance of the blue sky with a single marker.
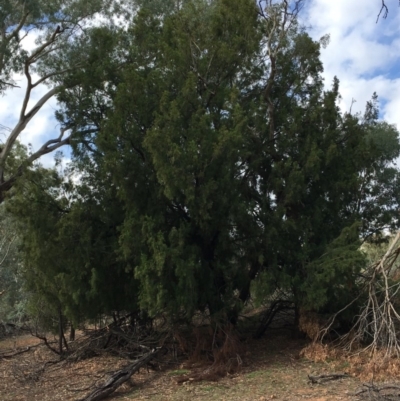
(363, 54)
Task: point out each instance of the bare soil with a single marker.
(272, 369)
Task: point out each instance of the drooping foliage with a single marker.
(69, 240)
(12, 298)
(212, 161)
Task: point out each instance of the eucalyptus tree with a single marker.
(61, 31)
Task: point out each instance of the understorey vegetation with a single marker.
(215, 189)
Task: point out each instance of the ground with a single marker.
(272, 369)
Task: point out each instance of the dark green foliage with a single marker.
(339, 265)
(69, 238)
(178, 127)
(199, 175)
(12, 297)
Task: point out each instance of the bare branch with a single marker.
(7, 251)
(11, 85)
(53, 74)
(120, 377)
(46, 52)
(48, 147)
(46, 44)
(376, 327)
(281, 19)
(383, 10)
(23, 122)
(28, 90)
(51, 146)
(45, 341)
(5, 128)
(324, 378)
(17, 29)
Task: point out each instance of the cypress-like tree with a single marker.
(212, 159)
(174, 143)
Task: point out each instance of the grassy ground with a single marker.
(272, 370)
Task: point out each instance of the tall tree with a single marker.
(62, 32)
(212, 133)
(182, 136)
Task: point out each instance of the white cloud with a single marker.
(363, 54)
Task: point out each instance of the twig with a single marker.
(6, 356)
(45, 341)
(383, 10)
(379, 317)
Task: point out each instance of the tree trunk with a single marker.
(60, 332)
(72, 333)
(297, 333)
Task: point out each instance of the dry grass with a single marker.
(271, 369)
(365, 366)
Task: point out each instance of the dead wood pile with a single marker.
(376, 327)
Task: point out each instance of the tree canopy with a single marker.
(210, 165)
(62, 32)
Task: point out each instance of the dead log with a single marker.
(324, 378)
(120, 377)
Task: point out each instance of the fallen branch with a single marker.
(120, 377)
(375, 328)
(6, 356)
(46, 342)
(324, 378)
(118, 338)
(386, 392)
